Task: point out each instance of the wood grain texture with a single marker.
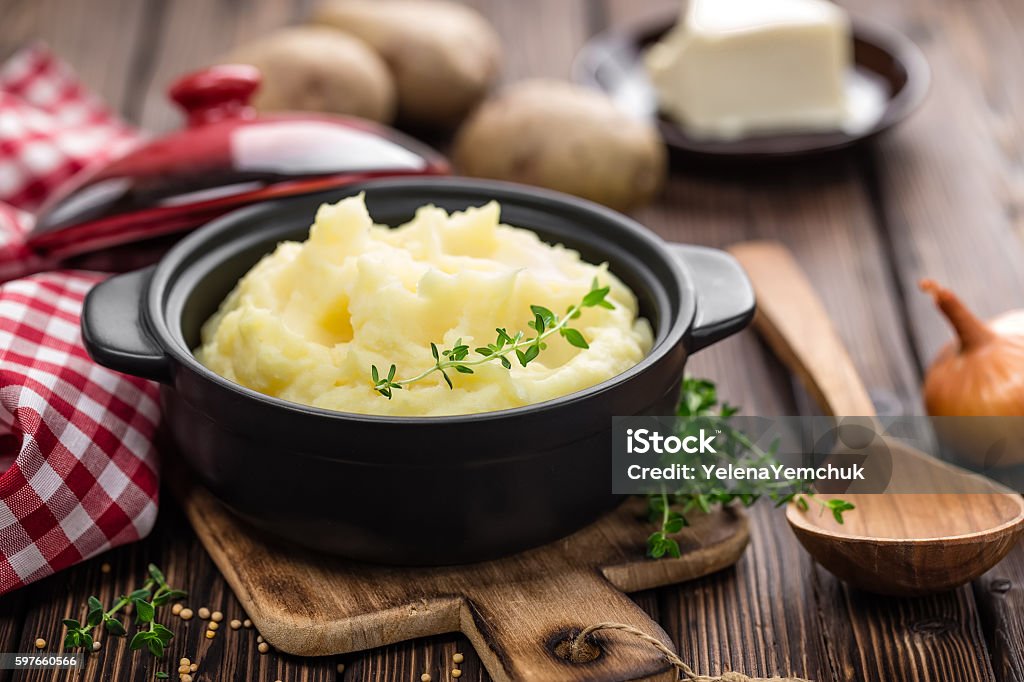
(953, 210)
(101, 39)
(192, 34)
(232, 655)
(827, 215)
(514, 610)
(864, 232)
(793, 321)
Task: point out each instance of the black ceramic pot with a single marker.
(409, 490)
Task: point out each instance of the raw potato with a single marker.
(317, 69)
(563, 137)
(444, 57)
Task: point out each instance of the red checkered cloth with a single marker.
(78, 468)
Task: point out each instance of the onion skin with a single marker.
(981, 373)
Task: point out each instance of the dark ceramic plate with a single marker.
(884, 59)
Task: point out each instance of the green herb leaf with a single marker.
(139, 640)
(114, 627)
(162, 675)
(544, 314)
(137, 595)
(699, 398)
(162, 633)
(169, 596)
(156, 574)
(674, 523)
(575, 338)
(71, 624)
(144, 611)
(155, 646)
(595, 297)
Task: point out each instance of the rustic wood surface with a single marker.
(942, 196)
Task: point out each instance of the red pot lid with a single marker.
(226, 157)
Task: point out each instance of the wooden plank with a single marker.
(945, 179)
(540, 37)
(12, 616)
(801, 619)
(952, 191)
(1000, 597)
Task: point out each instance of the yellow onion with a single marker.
(979, 374)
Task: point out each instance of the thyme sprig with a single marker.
(669, 509)
(155, 592)
(545, 324)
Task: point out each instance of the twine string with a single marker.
(685, 671)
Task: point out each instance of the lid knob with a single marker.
(217, 93)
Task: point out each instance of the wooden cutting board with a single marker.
(515, 611)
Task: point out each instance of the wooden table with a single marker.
(943, 196)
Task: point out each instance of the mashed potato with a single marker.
(309, 320)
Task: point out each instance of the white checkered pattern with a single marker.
(78, 468)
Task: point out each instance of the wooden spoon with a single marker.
(895, 544)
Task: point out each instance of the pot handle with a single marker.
(725, 297)
(114, 333)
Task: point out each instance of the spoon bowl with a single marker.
(907, 544)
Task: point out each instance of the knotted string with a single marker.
(685, 671)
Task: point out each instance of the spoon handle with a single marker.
(793, 321)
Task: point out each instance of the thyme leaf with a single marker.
(153, 636)
(699, 398)
(525, 349)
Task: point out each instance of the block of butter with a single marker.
(733, 68)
